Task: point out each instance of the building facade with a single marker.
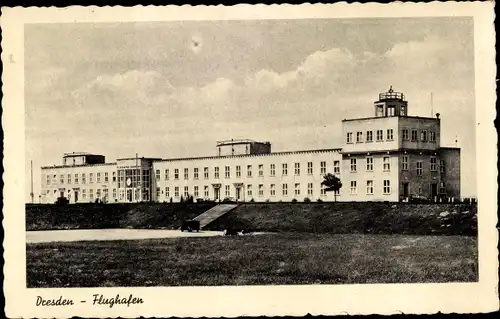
(388, 157)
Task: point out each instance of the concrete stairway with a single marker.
(214, 213)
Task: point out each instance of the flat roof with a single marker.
(395, 116)
(252, 155)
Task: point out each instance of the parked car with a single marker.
(418, 199)
(191, 225)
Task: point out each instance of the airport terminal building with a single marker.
(388, 157)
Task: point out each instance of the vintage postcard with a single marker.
(249, 160)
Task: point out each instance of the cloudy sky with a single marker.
(171, 89)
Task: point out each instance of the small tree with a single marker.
(332, 184)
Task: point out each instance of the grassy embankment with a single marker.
(284, 258)
(99, 216)
(357, 217)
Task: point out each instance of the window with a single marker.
(272, 190)
(369, 164)
(54, 179)
(432, 136)
(380, 135)
(419, 168)
(261, 170)
(48, 179)
(167, 174)
(227, 172)
(228, 190)
(323, 168)
(186, 173)
(297, 189)
(309, 189)
(442, 188)
(114, 193)
(196, 174)
(158, 192)
(114, 177)
(387, 186)
(433, 164)
(176, 191)
(406, 134)
(205, 172)
(84, 193)
(285, 189)
(442, 166)
(249, 170)
(369, 187)
(249, 190)
(61, 179)
(196, 192)
(336, 167)
(391, 110)
(216, 172)
(91, 177)
(402, 110)
(284, 169)
(353, 165)
(390, 134)
(297, 169)
(176, 173)
(106, 177)
(309, 168)
(83, 179)
(414, 135)
(359, 137)
(98, 177)
(349, 137)
(167, 192)
(369, 136)
(206, 191)
(186, 191)
(404, 164)
(238, 171)
(261, 190)
(69, 178)
(76, 179)
(323, 190)
(387, 163)
(91, 194)
(272, 170)
(423, 136)
(354, 187)
(157, 174)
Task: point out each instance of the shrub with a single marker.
(320, 200)
(62, 201)
(307, 200)
(294, 200)
(252, 200)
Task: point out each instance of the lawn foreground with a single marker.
(284, 258)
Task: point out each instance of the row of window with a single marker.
(370, 186)
(249, 171)
(52, 179)
(386, 165)
(227, 190)
(99, 193)
(425, 136)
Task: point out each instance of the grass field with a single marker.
(284, 258)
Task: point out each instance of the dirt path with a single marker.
(47, 236)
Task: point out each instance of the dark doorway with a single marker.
(406, 190)
(76, 196)
(434, 192)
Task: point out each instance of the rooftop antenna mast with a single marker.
(31, 194)
(432, 104)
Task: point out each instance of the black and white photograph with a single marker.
(260, 151)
